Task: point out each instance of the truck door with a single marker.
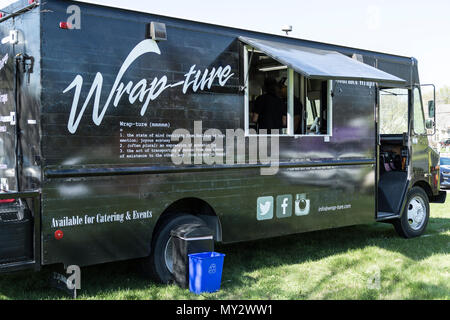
(419, 139)
(393, 150)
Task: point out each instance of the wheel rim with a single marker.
(168, 259)
(416, 213)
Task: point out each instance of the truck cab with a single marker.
(408, 168)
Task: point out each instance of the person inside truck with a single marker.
(269, 112)
(298, 106)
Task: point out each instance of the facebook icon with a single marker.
(284, 206)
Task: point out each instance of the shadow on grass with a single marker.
(122, 280)
(315, 246)
(320, 244)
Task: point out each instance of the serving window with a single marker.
(280, 101)
(288, 87)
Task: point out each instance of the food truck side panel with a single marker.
(107, 198)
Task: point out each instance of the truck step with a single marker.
(16, 234)
(382, 216)
(17, 265)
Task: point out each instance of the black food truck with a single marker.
(115, 126)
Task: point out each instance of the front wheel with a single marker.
(415, 216)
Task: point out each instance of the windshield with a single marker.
(445, 161)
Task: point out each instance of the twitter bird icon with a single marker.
(264, 208)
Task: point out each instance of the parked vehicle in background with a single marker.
(445, 171)
(445, 143)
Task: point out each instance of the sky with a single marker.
(420, 29)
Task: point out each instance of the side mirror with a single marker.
(429, 123)
(431, 110)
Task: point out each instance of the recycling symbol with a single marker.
(212, 268)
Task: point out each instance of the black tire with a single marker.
(407, 227)
(155, 265)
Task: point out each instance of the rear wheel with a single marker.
(415, 216)
(159, 264)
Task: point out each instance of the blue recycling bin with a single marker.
(205, 271)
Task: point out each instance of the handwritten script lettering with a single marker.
(143, 91)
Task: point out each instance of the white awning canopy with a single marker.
(320, 64)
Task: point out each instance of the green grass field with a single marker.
(361, 262)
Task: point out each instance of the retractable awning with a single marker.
(320, 64)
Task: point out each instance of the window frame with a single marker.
(413, 100)
(329, 95)
(408, 95)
